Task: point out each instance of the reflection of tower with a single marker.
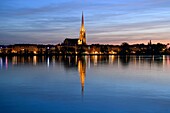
(82, 72)
(82, 38)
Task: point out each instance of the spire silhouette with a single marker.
(82, 20)
(82, 38)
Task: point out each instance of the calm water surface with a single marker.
(88, 84)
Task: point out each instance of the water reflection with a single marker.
(34, 60)
(73, 61)
(58, 83)
(1, 62)
(82, 72)
(6, 62)
(79, 63)
(124, 60)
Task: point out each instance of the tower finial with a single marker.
(82, 19)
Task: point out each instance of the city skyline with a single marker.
(107, 22)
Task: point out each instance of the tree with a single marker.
(125, 48)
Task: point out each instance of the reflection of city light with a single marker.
(139, 59)
(34, 60)
(88, 60)
(153, 58)
(95, 60)
(76, 60)
(111, 59)
(168, 60)
(118, 60)
(6, 63)
(43, 59)
(29, 59)
(69, 60)
(48, 62)
(164, 59)
(22, 60)
(86, 57)
(53, 60)
(82, 73)
(1, 63)
(14, 60)
(135, 60)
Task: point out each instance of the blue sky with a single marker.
(106, 21)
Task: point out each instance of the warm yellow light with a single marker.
(113, 52)
(95, 52)
(13, 51)
(35, 60)
(133, 52)
(86, 52)
(35, 52)
(79, 42)
(83, 29)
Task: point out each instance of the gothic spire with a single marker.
(82, 38)
(82, 21)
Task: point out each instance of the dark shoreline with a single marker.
(1, 55)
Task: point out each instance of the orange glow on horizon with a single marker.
(130, 42)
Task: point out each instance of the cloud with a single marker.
(104, 20)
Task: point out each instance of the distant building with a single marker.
(24, 48)
(78, 41)
(71, 42)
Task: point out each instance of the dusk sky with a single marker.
(106, 21)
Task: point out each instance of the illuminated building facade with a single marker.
(82, 38)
